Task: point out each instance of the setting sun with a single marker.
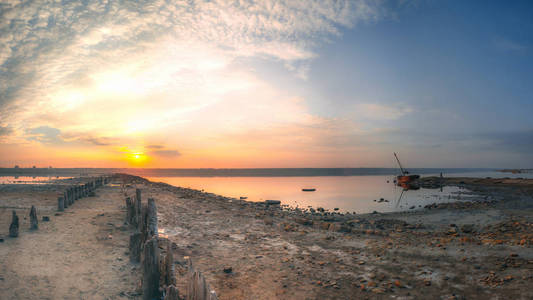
(136, 158)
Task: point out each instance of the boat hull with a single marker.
(407, 179)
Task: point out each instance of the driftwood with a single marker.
(14, 226)
(60, 203)
(34, 222)
(150, 267)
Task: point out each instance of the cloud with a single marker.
(47, 46)
(5, 130)
(130, 74)
(165, 153)
(97, 141)
(44, 134)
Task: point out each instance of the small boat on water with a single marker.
(308, 190)
(405, 179)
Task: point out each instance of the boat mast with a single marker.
(403, 171)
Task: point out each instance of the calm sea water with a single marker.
(348, 193)
(28, 179)
(355, 190)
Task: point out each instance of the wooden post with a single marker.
(143, 222)
(14, 226)
(128, 210)
(167, 269)
(138, 207)
(66, 196)
(60, 203)
(150, 268)
(34, 222)
(151, 220)
(197, 287)
(172, 293)
(135, 247)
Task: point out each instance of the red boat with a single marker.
(405, 179)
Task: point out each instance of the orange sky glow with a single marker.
(249, 84)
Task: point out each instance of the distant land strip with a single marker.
(260, 172)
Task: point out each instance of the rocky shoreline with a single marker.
(248, 250)
(386, 254)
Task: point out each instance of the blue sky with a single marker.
(267, 83)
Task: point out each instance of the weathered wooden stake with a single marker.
(138, 207)
(128, 210)
(14, 226)
(168, 267)
(135, 247)
(34, 222)
(197, 287)
(60, 203)
(172, 293)
(66, 196)
(151, 221)
(150, 267)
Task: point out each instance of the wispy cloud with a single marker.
(44, 134)
(112, 73)
(5, 130)
(164, 153)
(46, 45)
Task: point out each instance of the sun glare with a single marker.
(137, 158)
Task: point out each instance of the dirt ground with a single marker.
(466, 250)
(78, 254)
(472, 251)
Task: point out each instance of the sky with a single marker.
(266, 84)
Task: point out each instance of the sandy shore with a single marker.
(79, 254)
(464, 250)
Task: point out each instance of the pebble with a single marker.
(397, 283)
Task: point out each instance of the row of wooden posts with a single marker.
(70, 195)
(76, 192)
(156, 257)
